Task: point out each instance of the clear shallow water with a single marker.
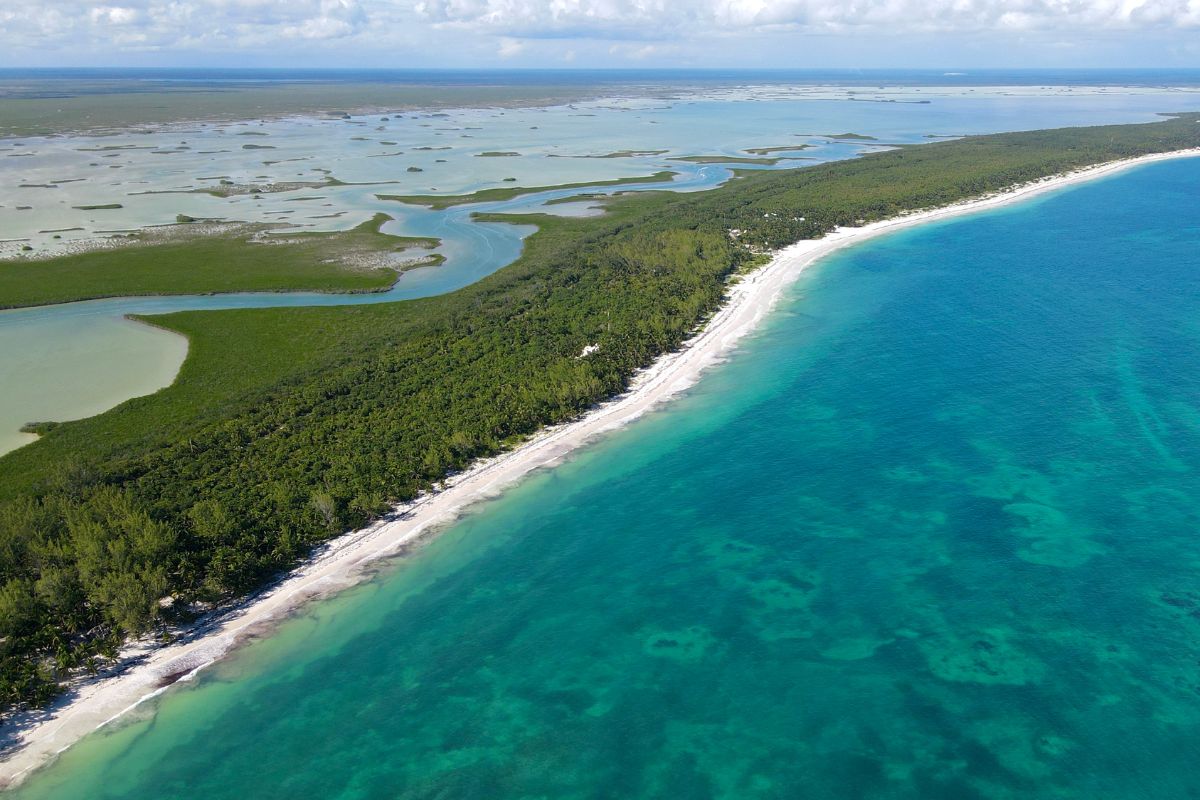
(47, 183)
(932, 533)
(43, 179)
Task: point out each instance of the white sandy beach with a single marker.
(92, 702)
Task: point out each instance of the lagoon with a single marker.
(54, 175)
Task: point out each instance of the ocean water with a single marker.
(931, 533)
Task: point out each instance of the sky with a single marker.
(601, 33)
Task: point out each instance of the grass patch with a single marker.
(255, 260)
(719, 159)
(616, 154)
(583, 197)
(766, 151)
(440, 202)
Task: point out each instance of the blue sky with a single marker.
(601, 33)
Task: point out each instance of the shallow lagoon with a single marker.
(44, 181)
(552, 142)
(931, 533)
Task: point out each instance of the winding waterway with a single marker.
(74, 360)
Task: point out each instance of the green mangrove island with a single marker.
(440, 202)
(229, 258)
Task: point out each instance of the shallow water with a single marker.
(81, 349)
(43, 179)
(931, 533)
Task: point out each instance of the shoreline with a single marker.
(145, 670)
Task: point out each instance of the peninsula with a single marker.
(287, 427)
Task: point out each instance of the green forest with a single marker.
(288, 426)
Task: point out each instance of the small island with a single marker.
(440, 202)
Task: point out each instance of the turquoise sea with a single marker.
(932, 533)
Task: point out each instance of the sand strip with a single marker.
(145, 670)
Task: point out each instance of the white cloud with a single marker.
(510, 47)
(620, 18)
(114, 15)
(693, 32)
(209, 24)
